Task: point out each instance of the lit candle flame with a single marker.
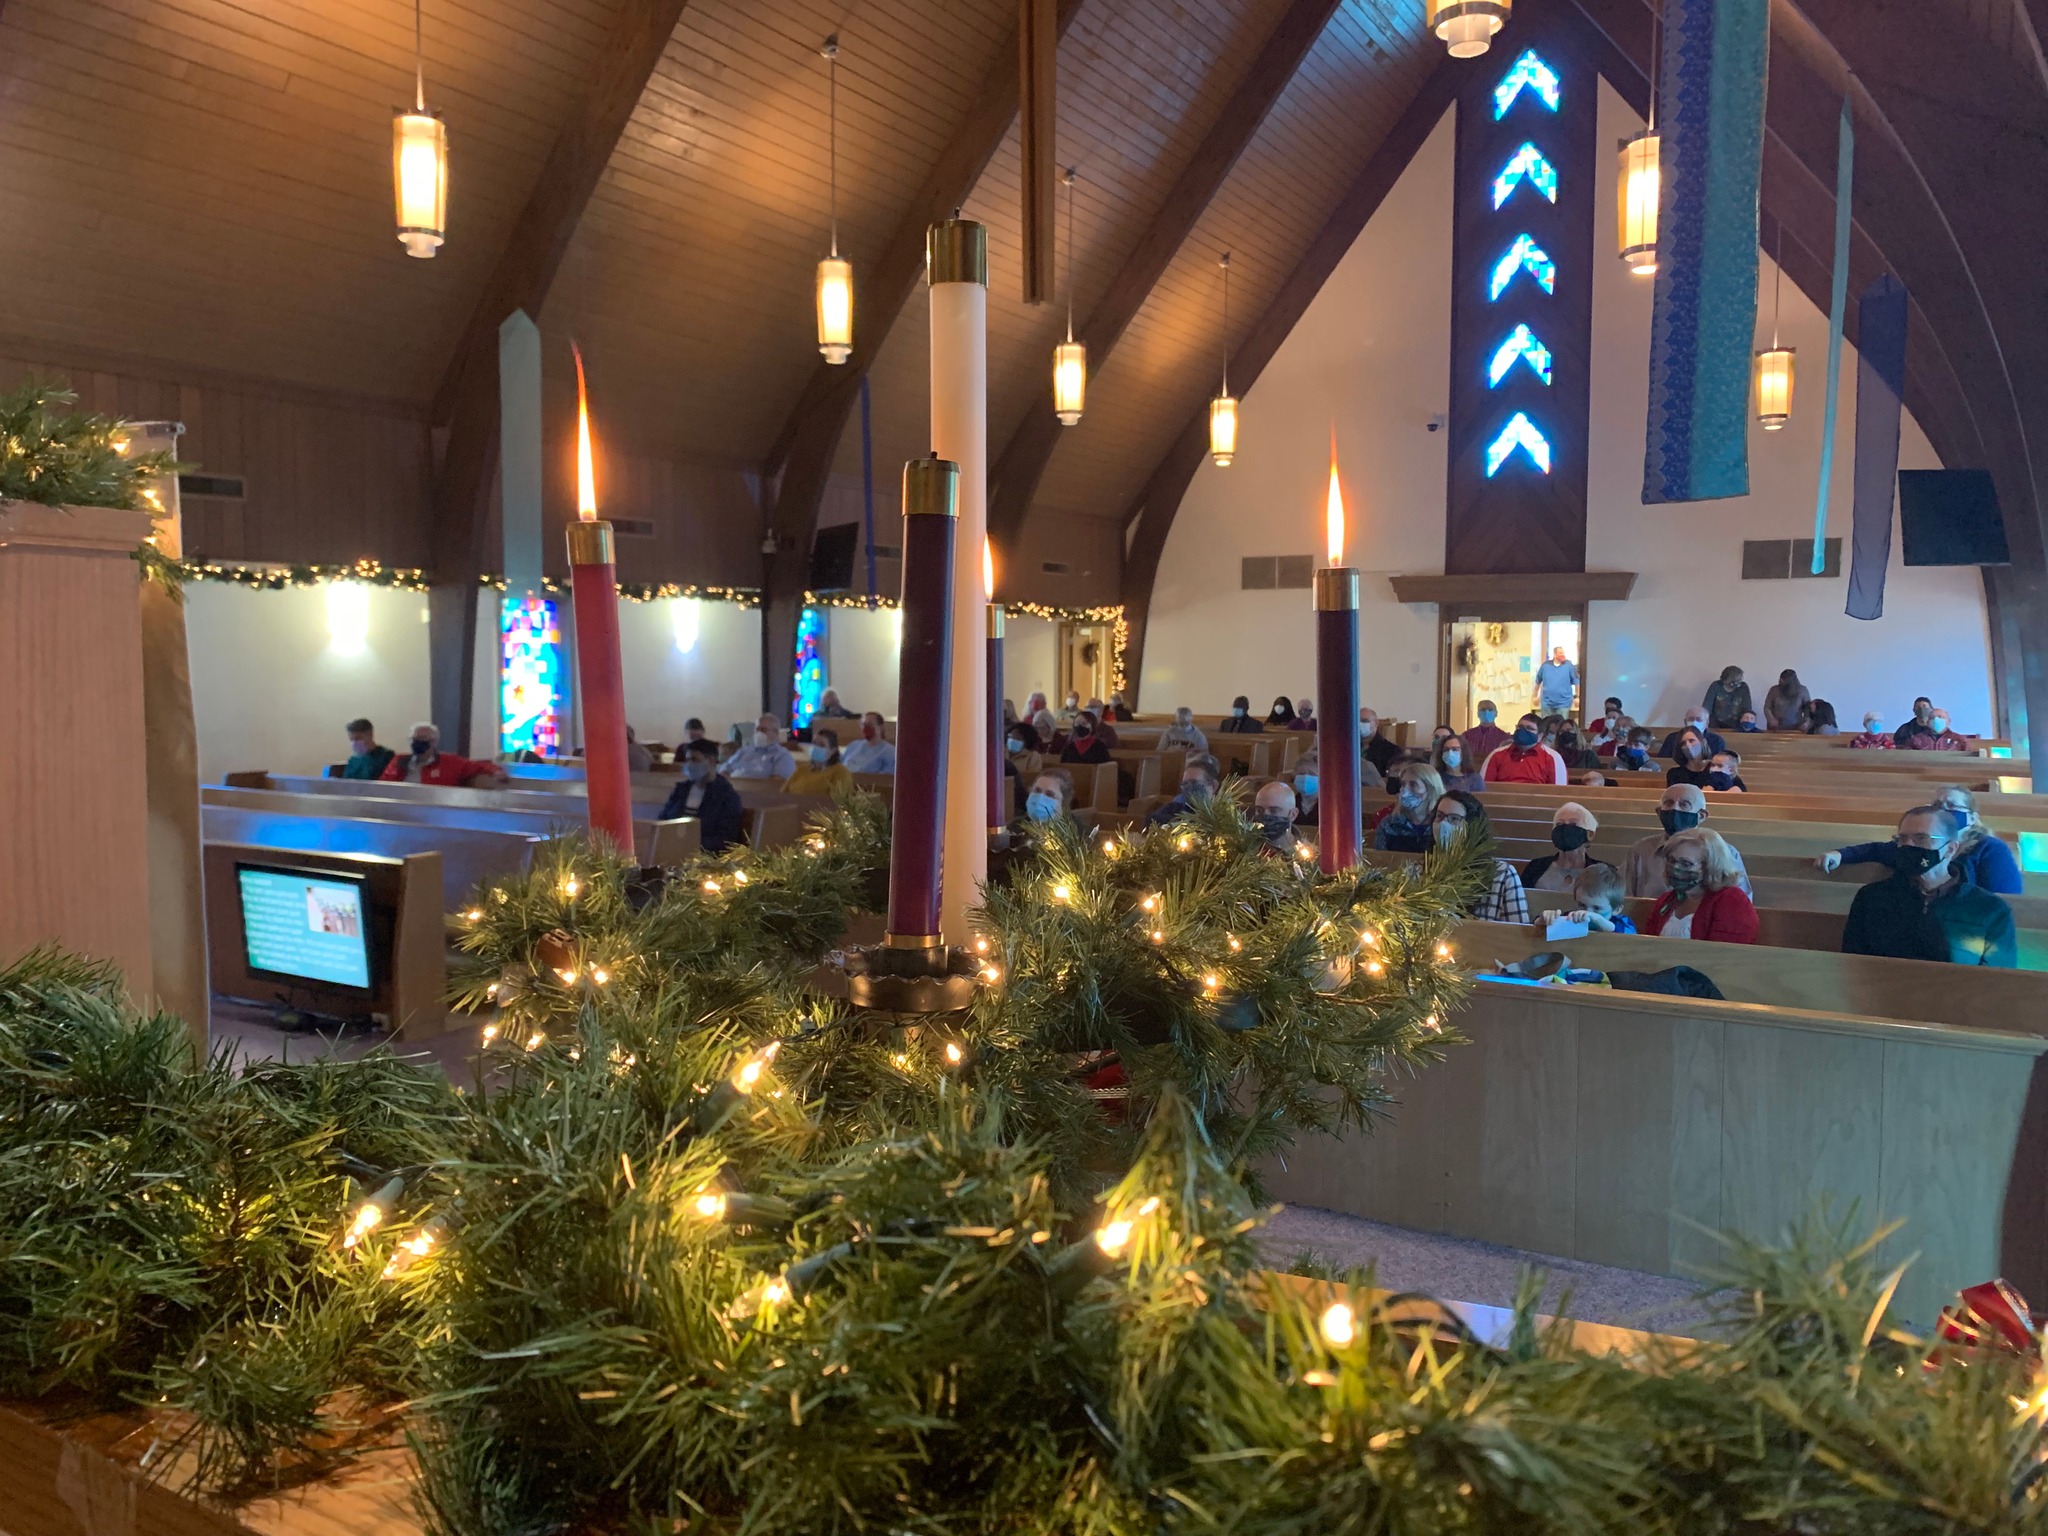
(1335, 514)
(586, 476)
(988, 570)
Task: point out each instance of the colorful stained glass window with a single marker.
(1528, 165)
(1521, 346)
(1524, 255)
(811, 681)
(530, 696)
(1520, 432)
(1530, 73)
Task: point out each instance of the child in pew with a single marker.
(1599, 892)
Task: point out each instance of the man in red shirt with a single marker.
(428, 764)
(1525, 760)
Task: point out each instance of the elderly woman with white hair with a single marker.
(1570, 830)
(1183, 734)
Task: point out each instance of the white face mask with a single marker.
(761, 739)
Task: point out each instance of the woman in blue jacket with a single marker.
(1982, 859)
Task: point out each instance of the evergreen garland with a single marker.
(702, 1251)
(66, 458)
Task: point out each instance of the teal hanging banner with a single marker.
(1704, 325)
(1838, 315)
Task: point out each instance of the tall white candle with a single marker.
(958, 268)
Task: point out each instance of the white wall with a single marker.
(1372, 351)
(718, 679)
(1030, 659)
(864, 646)
(271, 689)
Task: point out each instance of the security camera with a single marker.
(1437, 423)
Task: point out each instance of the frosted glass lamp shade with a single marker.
(1223, 430)
(419, 174)
(835, 308)
(1641, 180)
(1774, 387)
(1467, 26)
(1069, 381)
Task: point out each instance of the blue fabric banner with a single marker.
(1880, 395)
(1704, 325)
(1838, 316)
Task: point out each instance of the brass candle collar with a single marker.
(912, 940)
(931, 488)
(590, 543)
(1337, 589)
(956, 251)
(995, 621)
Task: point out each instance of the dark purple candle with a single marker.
(1339, 815)
(931, 494)
(998, 802)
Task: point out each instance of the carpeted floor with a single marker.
(1456, 1269)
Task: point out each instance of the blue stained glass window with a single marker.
(1531, 73)
(1524, 254)
(810, 666)
(1520, 346)
(1520, 432)
(1528, 164)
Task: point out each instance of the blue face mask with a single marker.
(820, 753)
(1305, 783)
(1040, 807)
(1486, 716)
(1015, 744)
(1633, 755)
(1525, 738)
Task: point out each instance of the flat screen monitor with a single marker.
(306, 925)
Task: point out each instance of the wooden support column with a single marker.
(1021, 465)
(1159, 502)
(465, 406)
(797, 467)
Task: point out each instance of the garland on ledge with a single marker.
(705, 1252)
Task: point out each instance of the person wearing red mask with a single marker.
(870, 754)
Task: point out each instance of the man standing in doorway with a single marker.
(1557, 684)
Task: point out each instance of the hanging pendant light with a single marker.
(1223, 409)
(1642, 177)
(1070, 357)
(835, 273)
(1774, 363)
(1467, 26)
(419, 161)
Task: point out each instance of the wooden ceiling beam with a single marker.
(1014, 476)
(803, 450)
(1158, 503)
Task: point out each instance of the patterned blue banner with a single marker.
(1880, 395)
(1704, 326)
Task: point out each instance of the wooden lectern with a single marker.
(74, 813)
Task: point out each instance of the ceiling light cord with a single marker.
(831, 51)
(419, 60)
(1070, 252)
(1225, 264)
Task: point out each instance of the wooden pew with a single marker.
(469, 857)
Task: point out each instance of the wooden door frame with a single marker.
(1448, 614)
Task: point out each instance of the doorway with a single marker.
(1496, 656)
(1084, 660)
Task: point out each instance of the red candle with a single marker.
(931, 492)
(998, 728)
(1340, 817)
(594, 591)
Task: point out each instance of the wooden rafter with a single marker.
(1159, 502)
(466, 403)
(1017, 470)
(803, 450)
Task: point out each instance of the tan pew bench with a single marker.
(468, 857)
(1628, 1128)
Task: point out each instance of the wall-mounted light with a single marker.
(419, 162)
(1467, 26)
(348, 617)
(1223, 409)
(687, 617)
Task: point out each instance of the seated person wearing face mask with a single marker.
(1104, 731)
(1696, 722)
(1459, 815)
(428, 764)
(1873, 737)
(764, 757)
(366, 760)
(1485, 738)
(1598, 891)
(1199, 777)
(1282, 716)
(1604, 734)
(1572, 747)
(1683, 808)
(1241, 721)
(1068, 710)
(1571, 828)
(824, 772)
(1692, 754)
(1304, 715)
(1633, 755)
(1380, 748)
(1051, 797)
(1701, 899)
(1724, 773)
(870, 753)
(1086, 745)
(1943, 739)
(1525, 760)
(1457, 765)
(1926, 910)
(705, 794)
(1183, 735)
(1021, 757)
(1307, 778)
(1274, 808)
(1749, 723)
(1919, 730)
(1404, 827)
(829, 707)
(1978, 858)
